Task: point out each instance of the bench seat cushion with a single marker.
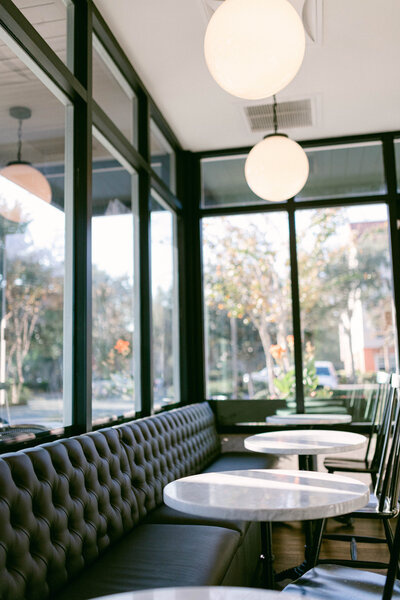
(225, 462)
(155, 555)
(235, 461)
(167, 515)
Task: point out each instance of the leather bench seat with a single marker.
(155, 556)
(84, 516)
(234, 461)
(169, 516)
(225, 462)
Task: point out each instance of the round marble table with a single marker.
(200, 593)
(310, 419)
(305, 442)
(267, 495)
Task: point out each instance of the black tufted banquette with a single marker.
(63, 504)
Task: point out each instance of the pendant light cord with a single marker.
(19, 140)
(275, 115)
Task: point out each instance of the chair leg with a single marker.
(388, 534)
(390, 541)
(353, 549)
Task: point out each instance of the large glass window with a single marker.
(346, 299)
(53, 19)
(165, 306)
(33, 203)
(113, 342)
(113, 93)
(344, 171)
(248, 316)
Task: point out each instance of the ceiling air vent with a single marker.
(290, 115)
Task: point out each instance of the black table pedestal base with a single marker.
(267, 556)
(293, 573)
(311, 553)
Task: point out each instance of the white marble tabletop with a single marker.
(200, 593)
(266, 495)
(310, 419)
(305, 442)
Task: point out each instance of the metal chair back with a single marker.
(384, 419)
(376, 409)
(388, 479)
(393, 568)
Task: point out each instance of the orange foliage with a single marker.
(276, 351)
(122, 347)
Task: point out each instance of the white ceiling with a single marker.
(351, 76)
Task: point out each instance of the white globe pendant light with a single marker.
(276, 168)
(254, 48)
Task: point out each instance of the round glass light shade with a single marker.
(276, 168)
(254, 48)
(31, 180)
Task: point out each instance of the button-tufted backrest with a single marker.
(63, 503)
(168, 446)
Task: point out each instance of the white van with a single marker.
(326, 374)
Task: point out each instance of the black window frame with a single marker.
(391, 199)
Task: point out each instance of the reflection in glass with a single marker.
(112, 92)
(162, 156)
(247, 294)
(346, 300)
(165, 346)
(113, 365)
(32, 257)
(397, 156)
(53, 20)
(223, 183)
(343, 171)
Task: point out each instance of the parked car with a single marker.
(326, 374)
(258, 376)
(325, 371)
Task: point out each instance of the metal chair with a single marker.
(378, 426)
(330, 582)
(384, 502)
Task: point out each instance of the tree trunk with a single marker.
(347, 329)
(234, 348)
(266, 344)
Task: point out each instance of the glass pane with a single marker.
(114, 190)
(162, 156)
(248, 313)
(112, 92)
(397, 155)
(343, 171)
(32, 255)
(223, 183)
(346, 304)
(165, 349)
(53, 19)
